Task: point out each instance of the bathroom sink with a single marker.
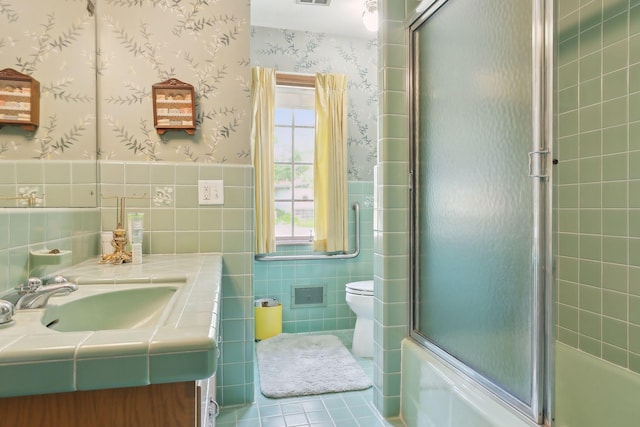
(95, 308)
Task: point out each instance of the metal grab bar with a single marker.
(345, 255)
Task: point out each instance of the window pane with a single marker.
(304, 117)
(303, 180)
(283, 116)
(303, 219)
(283, 219)
(282, 144)
(303, 146)
(282, 182)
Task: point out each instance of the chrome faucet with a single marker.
(33, 294)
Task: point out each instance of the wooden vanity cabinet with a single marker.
(19, 99)
(155, 405)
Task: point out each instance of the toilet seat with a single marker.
(364, 287)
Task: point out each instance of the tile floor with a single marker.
(351, 409)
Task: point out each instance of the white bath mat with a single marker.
(302, 365)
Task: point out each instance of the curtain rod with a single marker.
(299, 80)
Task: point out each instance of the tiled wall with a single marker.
(27, 229)
(50, 183)
(598, 179)
(175, 223)
(275, 278)
(391, 225)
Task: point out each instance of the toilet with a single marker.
(359, 296)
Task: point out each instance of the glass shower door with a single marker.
(478, 194)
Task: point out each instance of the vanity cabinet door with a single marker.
(209, 408)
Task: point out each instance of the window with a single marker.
(293, 158)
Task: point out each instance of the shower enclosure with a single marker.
(480, 204)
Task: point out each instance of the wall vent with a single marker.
(317, 2)
(308, 296)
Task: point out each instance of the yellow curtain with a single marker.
(263, 96)
(330, 164)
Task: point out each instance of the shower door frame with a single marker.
(543, 336)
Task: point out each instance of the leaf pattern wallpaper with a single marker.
(141, 42)
(310, 53)
(201, 42)
(54, 42)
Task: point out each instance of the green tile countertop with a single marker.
(181, 347)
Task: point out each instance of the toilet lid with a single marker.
(364, 287)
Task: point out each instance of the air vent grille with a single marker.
(316, 2)
(309, 295)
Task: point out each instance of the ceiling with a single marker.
(343, 17)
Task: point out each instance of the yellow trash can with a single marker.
(268, 321)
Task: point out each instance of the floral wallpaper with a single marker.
(307, 52)
(200, 42)
(54, 42)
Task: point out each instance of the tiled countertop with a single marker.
(38, 360)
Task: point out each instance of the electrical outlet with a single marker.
(210, 192)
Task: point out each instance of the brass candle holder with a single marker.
(120, 239)
(119, 243)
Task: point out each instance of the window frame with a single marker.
(301, 81)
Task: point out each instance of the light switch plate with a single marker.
(210, 192)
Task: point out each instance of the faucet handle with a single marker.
(30, 285)
(57, 280)
(7, 310)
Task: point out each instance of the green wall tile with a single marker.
(614, 277)
(591, 247)
(614, 332)
(590, 40)
(614, 56)
(590, 221)
(614, 249)
(137, 173)
(591, 143)
(615, 29)
(634, 338)
(614, 112)
(591, 346)
(614, 139)
(614, 222)
(614, 195)
(614, 85)
(590, 66)
(569, 147)
(615, 355)
(634, 309)
(568, 318)
(568, 75)
(614, 304)
(614, 167)
(590, 92)
(634, 49)
(590, 324)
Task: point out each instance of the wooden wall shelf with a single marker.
(174, 106)
(19, 99)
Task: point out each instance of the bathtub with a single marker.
(434, 395)
(591, 392)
